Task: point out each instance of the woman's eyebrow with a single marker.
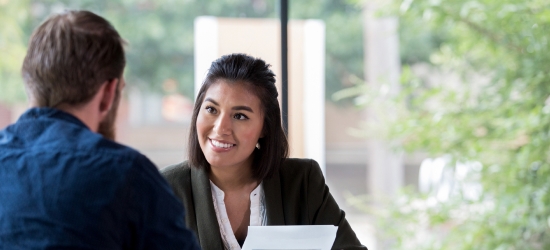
(208, 99)
(246, 108)
(241, 107)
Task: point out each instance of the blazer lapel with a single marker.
(274, 200)
(208, 229)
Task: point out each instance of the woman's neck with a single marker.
(231, 179)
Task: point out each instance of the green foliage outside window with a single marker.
(499, 116)
(13, 40)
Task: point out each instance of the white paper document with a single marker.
(319, 237)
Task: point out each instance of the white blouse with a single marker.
(257, 214)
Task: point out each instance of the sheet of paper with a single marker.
(318, 237)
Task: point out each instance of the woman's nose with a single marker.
(223, 125)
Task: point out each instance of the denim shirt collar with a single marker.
(40, 113)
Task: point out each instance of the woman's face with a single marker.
(229, 124)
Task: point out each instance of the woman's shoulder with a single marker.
(176, 172)
(305, 162)
(299, 166)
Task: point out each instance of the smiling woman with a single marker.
(238, 173)
(229, 126)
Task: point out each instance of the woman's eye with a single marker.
(240, 116)
(210, 109)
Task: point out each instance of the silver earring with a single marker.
(258, 145)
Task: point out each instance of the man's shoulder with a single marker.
(106, 153)
(84, 143)
(59, 145)
(115, 149)
(35, 132)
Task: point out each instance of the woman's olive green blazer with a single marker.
(295, 195)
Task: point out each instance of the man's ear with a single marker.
(108, 96)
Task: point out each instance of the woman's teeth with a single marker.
(221, 144)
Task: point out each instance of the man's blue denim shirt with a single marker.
(63, 186)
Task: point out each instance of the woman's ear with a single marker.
(263, 132)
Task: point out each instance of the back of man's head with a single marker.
(69, 56)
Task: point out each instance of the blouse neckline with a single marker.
(257, 214)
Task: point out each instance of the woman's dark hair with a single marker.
(255, 73)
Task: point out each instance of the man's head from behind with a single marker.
(70, 56)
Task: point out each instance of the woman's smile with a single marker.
(221, 146)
